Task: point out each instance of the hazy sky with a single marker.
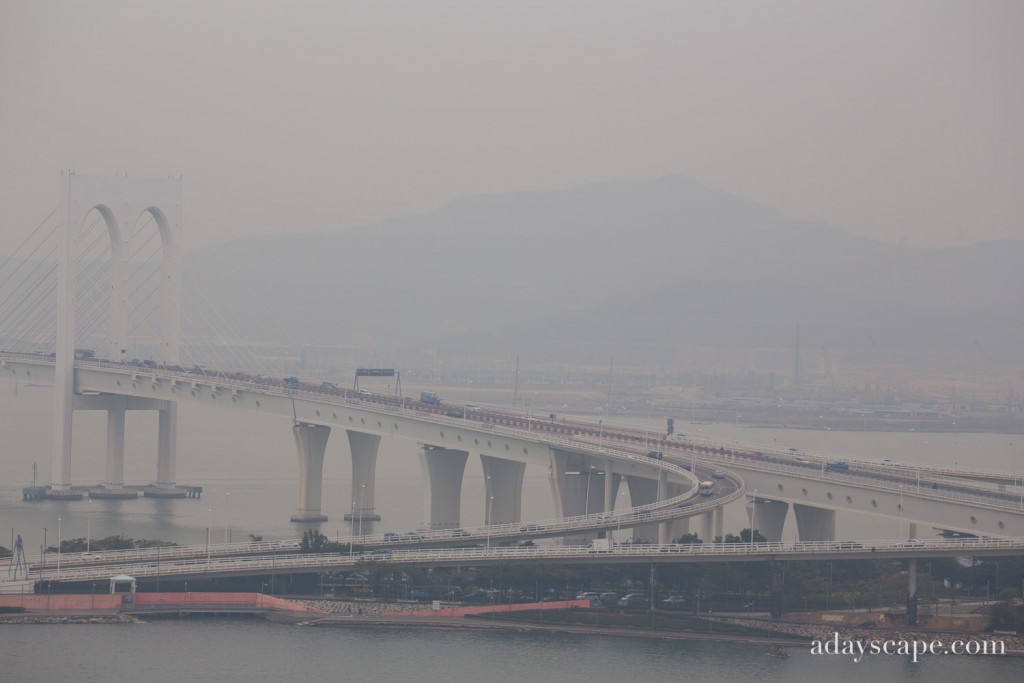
(896, 120)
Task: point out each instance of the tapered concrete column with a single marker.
(443, 469)
(610, 485)
(778, 588)
(644, 492)
(767, 517)
(167, 445)
(115, 444)
(664, 528)
(719, 517)
(912, 592)
(364, 472)
(678, 527)
(503, 490)
(310, 444)
(815, 524)
(707, 532)
(911, 530)
(577, 484)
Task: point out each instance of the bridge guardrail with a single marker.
(637, 552)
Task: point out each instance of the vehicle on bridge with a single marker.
(707, 488)
(838, 465)
(430, 398)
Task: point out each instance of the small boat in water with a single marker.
(777, 652)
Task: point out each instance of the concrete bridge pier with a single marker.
(611, 485)
(115, 443)
(644, 492)
(778, 587)
(167, 446)
(675, 528)
(503, 490)
(707, 531)
(912, 592)
(767, 517)
(577, 488)
(814, 524)
(310, 444)
(364, 472)
(443, 469)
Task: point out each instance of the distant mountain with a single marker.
(633, 262)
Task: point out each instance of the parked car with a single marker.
(633, 600)
(674, 601)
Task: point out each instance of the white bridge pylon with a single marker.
(122, 202)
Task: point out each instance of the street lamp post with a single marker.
(753, 516)
(361, 486)
(88, 526)
(227, 501)
(899, 532)
(490, 507)
(58, 547)
(42, 555)
(352, 528)
(586, 504)
(209, 521)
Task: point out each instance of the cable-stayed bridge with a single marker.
(91, 303)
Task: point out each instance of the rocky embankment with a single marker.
(37, 618)
(360, 608)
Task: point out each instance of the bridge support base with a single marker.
(644, 492)
(364, 472)
(503, 490)
(310, 444)
(577, 485)
(767, 517)
(443, 469)
(814, 524)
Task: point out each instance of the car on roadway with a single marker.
(412, 536)
(849, 545)
(718, 474)
(633, 600)
(458, 533)
(674, 601)
(589, 595)
(910, 543)
(391, 537)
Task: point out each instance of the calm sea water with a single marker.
(254, 652)
(247, 466)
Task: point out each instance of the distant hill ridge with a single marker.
(521, 267)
